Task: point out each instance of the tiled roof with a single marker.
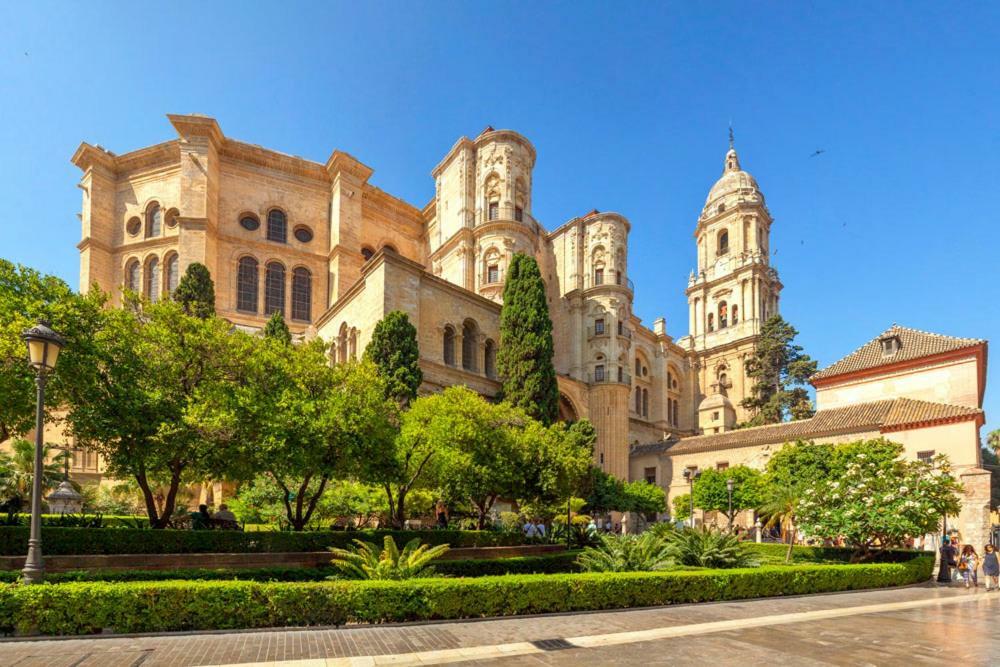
(913, 344)
(889, 414)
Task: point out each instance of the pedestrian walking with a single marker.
(968, 564)
(441, 510)
(947, 562)
(991, 567)
(530, 531)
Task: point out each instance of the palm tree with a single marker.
(18, 468)
(367, 561)
(627, 553)
(780, 506)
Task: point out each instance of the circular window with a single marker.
(172, 217)
(303, 234)
(249, 223)
(133, 226)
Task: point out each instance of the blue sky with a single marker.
(627, 105)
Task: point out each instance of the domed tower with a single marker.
(734, 289)
(483, 210)
(504, 226)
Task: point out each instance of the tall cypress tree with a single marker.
(524, 359)
(196, 291)
(277, 329)
(393, 348)
(779, 371)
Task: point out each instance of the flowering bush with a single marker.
(878, 500)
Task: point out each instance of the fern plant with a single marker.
(626, 553)
(367, 561)
(704, 547)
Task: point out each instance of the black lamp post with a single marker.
(729, 487)
(691, 475)
(44, 345)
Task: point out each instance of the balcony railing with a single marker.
(608, 281)
(610, 376)
(495, 277)
(597, 331)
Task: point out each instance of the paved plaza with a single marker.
(923, 625)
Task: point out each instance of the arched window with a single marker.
(173, 273)
(599, 274)
(638, 367)
(301, 294)
(449, 346)
(353, 344)
(154, 220)
(277, 226)
(152, 287)
(490, 359)
(645, 402)
(723, 242)
(246, 285)
(723, 315)
(638, 400)
(736, 315)
(367, 252)
(274, 289)
(132, 274)
(470, 341)
(670, 411)
(711, 322)
(676, 413)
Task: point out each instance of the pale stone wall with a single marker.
(953, 381)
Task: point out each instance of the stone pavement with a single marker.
(923, 625)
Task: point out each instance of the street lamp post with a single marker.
(729, 487)
(691, 475)
(44, 345)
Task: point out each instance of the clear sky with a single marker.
(628, 106)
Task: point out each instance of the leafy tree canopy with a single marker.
(524, 360)
(712, 494)
(393, 348)
(879, 500)
(277, 329)
(779, 372)
(608, 493)
(27, 296)
(196, 291)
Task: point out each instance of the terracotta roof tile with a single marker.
(874, 416)
(913, 344)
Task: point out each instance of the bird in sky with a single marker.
(819, 151)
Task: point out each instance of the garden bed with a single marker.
(92, 607)
(99, 541)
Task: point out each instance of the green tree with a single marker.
(26, 296)
(277, 329)
(880, 499)
(556, 462)
(993, 439)
(800, 464)
(608, 493)
(779, 373)
(681, 506)
(712, 494)
(780, 505)
(150, 366)
(297, 420)
(17, 471)
(524, 360)
(196, 291)
(991, 462)
(393, 348)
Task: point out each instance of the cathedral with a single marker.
(333, 253)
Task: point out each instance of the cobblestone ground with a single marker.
(910, 626)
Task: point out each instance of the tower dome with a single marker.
(733, 187)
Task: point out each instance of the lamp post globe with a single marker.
(44, 346)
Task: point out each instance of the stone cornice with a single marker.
(195, 125)
(495, 135)
(463, 142)
(379, 198)
(463, 234)
(275, 160)
(90, 242)
(345, 162)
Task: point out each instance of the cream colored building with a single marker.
(334, 253)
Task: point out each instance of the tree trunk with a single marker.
(399, 520)
(149, 498)
(791, 540)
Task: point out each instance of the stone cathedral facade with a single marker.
(334, 253)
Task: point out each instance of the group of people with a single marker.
(224, 519)
(533, 528)
(965, 562)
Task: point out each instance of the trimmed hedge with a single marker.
(771, 553)
(103, 541)
(86, 608)
(562, 562)
(82, 520)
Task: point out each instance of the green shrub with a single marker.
(478, 567)
(85, 608)
(704, 547)
(770, 553)
(367, 561)
(87, 541)
(627, 553)
(80, 520)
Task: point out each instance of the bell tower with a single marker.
(735, 288)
